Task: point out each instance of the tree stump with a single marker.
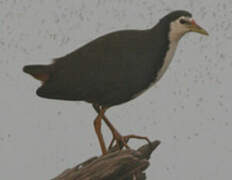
(116, 165)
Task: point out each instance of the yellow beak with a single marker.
(194, 27)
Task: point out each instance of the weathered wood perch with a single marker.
(119, 165)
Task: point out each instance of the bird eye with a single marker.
(182, 21)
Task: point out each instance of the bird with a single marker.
(114, 68)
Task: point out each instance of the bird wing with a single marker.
(118, 62)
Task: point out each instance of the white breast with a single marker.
(168, 58)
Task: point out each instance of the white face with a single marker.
(179, 27)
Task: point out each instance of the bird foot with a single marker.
(121, 141)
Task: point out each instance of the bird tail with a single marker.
(40, 72)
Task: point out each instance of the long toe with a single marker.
(121, 141)
(132, 136)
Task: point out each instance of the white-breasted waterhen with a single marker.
(114, 68)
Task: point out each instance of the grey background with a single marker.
(189, 110)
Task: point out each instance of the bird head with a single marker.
(181, 22)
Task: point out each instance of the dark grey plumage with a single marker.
(111, 69)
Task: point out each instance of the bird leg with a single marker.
(121, 141)
(116, 135)
(97, 126)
